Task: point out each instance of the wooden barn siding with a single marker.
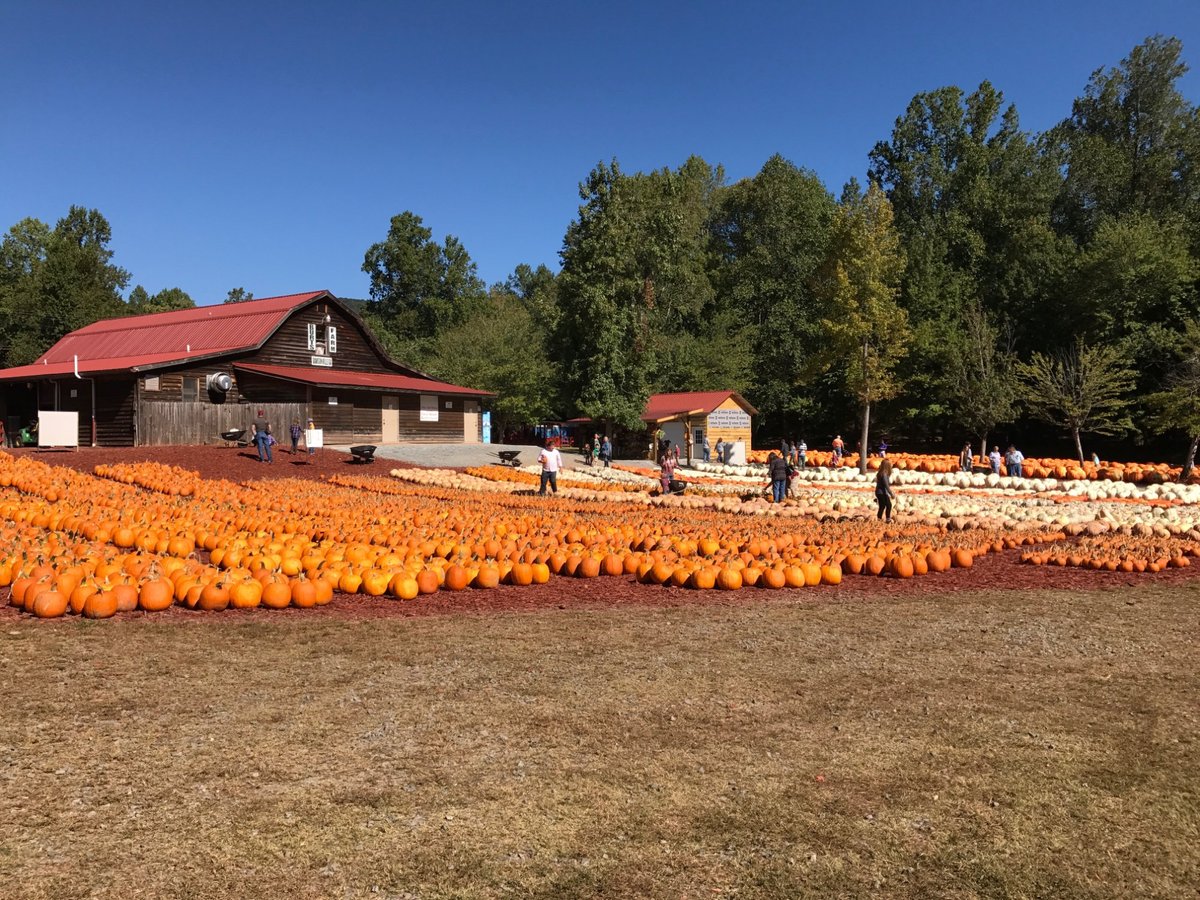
(289, 345)
(170, 383)
(447, 429)
(368, 417)
(258, 389)
(167, 422)
(114, 412)
(128, 414)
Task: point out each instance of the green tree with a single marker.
(972, 195)
(1132, 143)
(1082, 389)
(55, 281)
(866, 330)
(634, 283)
(500, 348)
(537, 289)
(982, 381)
(772, 234)
(164, 301)
(418, 286)
(1177, 405)
(238, 295)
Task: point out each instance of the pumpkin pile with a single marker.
(142, 536)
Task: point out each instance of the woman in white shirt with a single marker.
(551, 461)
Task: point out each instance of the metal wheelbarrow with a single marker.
(509, 458)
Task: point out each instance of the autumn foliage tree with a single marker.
(866, 331)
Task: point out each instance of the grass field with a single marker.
(987, 744)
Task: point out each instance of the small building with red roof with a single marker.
(186, 376)
(689, 417)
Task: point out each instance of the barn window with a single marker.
(312, 336)
(191, 387)
(331, 338)
(150, 383)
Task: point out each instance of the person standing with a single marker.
(777, 469)
(966, 459)
(667, 464)
(675, 452)
(1015, 459)
(707, 450)
(262, 437)
(802, 455)
(721, 450)
(606, 452)
(994, 459)
(551, 462)
(883, 449)
(294, 434)
(311, 426)
(784, 448)
(884, 495)
(839, 448)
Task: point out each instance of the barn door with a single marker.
(471, 421)
(391, 419)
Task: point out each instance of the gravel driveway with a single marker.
(462, 455)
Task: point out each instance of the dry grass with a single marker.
(983, 745)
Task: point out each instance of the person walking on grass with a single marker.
(884, 495)
(551, 462)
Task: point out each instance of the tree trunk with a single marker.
(983, 451)
(1190, 462)
(1078, 446)
(866, 428)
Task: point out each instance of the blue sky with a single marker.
(267, 144)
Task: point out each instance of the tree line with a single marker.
(985, 278)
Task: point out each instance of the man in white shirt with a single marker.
(551, 461)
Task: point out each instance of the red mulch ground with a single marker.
(1001, 571)
(996, 571)
(232, 463)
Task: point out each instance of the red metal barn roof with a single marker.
(134, 342)
(666, 406)
(340, 378)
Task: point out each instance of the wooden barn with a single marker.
(186, 376)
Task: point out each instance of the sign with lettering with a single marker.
(732, 419)
(429, 408)
(326, 361)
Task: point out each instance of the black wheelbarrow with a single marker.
(235, 436)
(509, 458)
(363, 453)
(678, 486)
